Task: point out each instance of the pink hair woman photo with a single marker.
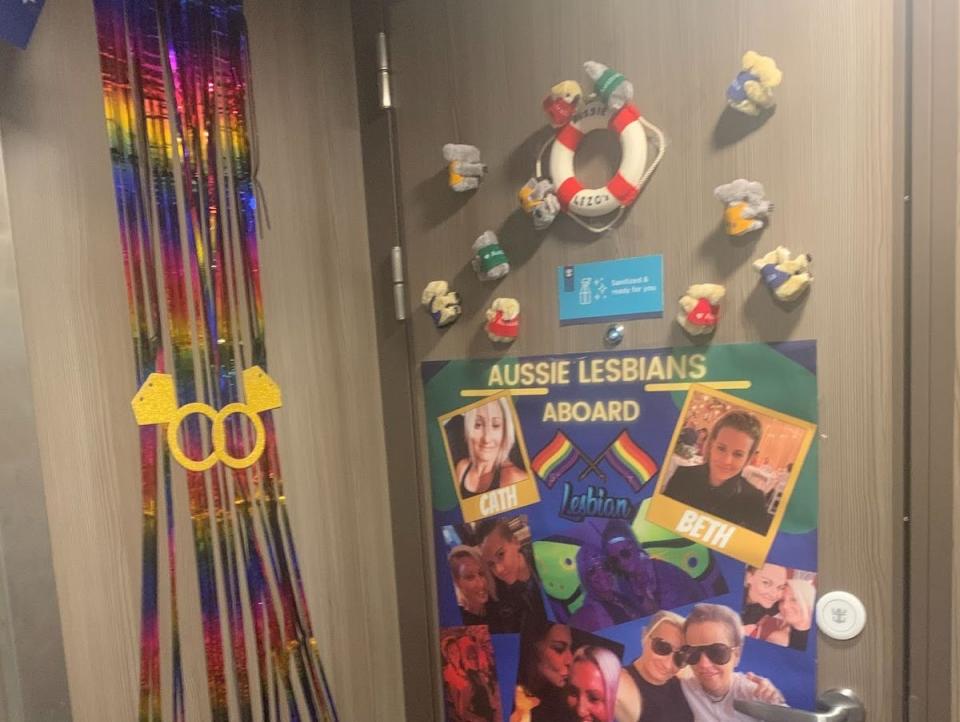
(592, 689)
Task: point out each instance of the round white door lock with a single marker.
(840, 615)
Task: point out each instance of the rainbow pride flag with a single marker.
(631, 462)
(555, 459)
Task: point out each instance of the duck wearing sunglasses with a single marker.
(649, 690)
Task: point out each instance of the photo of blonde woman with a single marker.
(778, 605)
(592, 688)
(489, 437)
(489, 466)
(649, 690)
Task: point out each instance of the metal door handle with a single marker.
(835, 705)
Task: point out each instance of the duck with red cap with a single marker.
(700, 308)
(503, 320)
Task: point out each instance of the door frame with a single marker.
(930, 628)
(413, 561)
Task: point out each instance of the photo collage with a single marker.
(650, 573)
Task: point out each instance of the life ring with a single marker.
(623, 188)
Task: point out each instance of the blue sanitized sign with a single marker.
(17, 20)
(622, 288)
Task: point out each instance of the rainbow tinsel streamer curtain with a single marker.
(176, 78)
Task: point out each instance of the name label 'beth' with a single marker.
(499, 500)
(698, 526)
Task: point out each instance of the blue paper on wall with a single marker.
(605, 290)
(17, 20)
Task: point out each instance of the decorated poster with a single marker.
(625, 529)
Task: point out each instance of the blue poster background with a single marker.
(782, 377)
(17, 20)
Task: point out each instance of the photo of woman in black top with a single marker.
(649, 684)
(717, 486)
(493, 574)
(489, 440)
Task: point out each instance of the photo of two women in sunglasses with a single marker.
(687, 672)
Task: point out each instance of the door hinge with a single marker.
(384, 91)
(399, 290)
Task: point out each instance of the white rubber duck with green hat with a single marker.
(612, 87)
(489, 260)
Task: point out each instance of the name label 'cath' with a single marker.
(499, 500)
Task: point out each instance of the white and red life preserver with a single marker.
(625, 185)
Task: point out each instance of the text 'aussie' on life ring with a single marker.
(624, 187)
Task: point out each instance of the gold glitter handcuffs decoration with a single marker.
(156, 403)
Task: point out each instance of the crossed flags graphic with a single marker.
(623, 454)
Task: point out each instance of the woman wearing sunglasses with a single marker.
(713, 644)
(649, 690)
(649, 584)
(605, 606)
(592, 690)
